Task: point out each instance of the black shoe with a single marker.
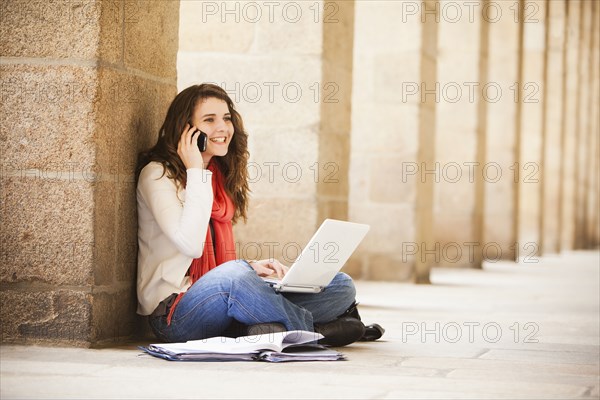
(372, 332)
(341, 331)
(265, 329)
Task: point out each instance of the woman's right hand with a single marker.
(188, 148)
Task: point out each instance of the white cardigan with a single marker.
(172, 228)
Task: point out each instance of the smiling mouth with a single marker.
(221, 139)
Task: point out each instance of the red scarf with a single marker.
(220, 218)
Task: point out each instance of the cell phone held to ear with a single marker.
(202, 139)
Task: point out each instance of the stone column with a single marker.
(529, 132)
(269, 57)
(393, 121)
(456, 165)
(552, 123)
(570, 123)
(593, 221)
(498, 236)
(85, 86)
(583, 131)
(335, 100)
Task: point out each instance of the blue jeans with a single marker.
(233, 293)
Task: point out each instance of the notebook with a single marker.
(322, 258)
(274, 347)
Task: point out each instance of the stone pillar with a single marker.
(269, 58)
(85, 86)
(529, 132)
(335, 100)
(455, 169)
(393, 121)
(570, 122)
(552, 123)
(593, 222)
(583, 131)
(498, 236)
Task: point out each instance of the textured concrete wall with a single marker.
(569, 135)
(583, 131)
(530, 131)
(456, 123)
(392, 134)
(82, 93)
(498, 231)
(593, 220)
(336, 105)
(552, 127)
(269, 58)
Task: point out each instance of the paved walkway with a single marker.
(510, 331)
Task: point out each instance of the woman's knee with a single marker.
(345, 284)
(232, 272)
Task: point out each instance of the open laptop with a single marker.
(322, 258)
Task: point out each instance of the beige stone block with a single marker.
(392, 225)
(284, 163)
(363, 79)
(39, 104)
(57, 317)
(390, 81)
(502, 69)
(127, 121)
(455, 146)
(113, 315)
(152, 50)
(400, 33)
(126, 233)
(354, 266)
(271, 232)
(389, 267)
(288, 94)
(397, 133)
(105, 232)
(534, 30)
(338, 33)
(458, 31)
(334, 209)
(387, 184)
(60, 29)
(113, 18)
(47, 231)
(208, 26)
(358, 179)
(331, 172)
(288, 21)
(428, 79)
(503, 33)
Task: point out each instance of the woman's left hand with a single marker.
(269, 267)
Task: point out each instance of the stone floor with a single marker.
(526, 331)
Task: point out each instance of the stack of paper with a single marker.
(274, 347)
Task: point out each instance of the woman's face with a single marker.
(212, 117)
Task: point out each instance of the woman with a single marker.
(189, 280)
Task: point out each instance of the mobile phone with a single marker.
(202, 139)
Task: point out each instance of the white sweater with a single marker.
(172, 228)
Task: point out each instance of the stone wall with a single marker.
(271, 59)
(85, 86)
(352, 112)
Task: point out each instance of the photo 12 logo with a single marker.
(253, 12)
(468, 331)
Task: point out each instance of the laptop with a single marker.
(322, 258)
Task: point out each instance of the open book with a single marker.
(273, 347)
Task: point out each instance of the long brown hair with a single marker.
(233, 165)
